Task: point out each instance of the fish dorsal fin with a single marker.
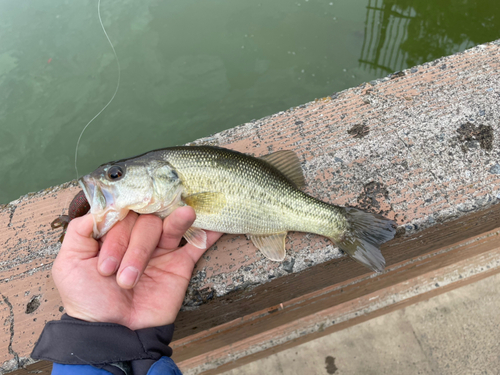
(288, 163)
(207, 203)
(196, 237)
(272, 246)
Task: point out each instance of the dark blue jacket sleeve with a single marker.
(164, 366)
(59, 369)
(79, 347)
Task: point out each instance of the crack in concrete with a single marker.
(427, 355)
(11, 318)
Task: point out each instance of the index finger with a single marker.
(143, 241)
(115, 244)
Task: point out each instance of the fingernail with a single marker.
(109, 266)
(129, 277)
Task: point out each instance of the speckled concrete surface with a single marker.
(454, 333)
(421, 147)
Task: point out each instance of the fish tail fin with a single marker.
(366, 233)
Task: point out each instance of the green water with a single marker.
(191, 68)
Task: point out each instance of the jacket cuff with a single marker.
(76, 342)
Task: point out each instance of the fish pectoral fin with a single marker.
(288, 163)
(207, 203)
(196, 237)
(272, 246)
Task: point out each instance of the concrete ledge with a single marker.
(420, 146)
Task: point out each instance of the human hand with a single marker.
(136, 277)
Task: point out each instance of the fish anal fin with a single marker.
(207, 202)
(196, 237)
(288, 163)
(272, 246)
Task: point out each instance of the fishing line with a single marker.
(114, 94)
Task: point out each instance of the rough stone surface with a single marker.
(421, 147)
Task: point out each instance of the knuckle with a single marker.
(139, 251)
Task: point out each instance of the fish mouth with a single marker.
(102, 205)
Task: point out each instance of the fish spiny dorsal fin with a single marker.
(288, 163)
(272, 246)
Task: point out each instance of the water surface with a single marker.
(191, 68)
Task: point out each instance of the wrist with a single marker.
(92, 317)
(80, 316)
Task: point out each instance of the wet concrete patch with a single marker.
(330, 365)
(33, 304)
(359, 131)
(374, 198)
(471, 135)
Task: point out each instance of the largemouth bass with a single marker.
(231, 192)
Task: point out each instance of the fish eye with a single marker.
(114, 173)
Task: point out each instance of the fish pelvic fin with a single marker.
(196, 237)
(272, 246)
(367, 231)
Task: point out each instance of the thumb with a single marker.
(78, 242)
